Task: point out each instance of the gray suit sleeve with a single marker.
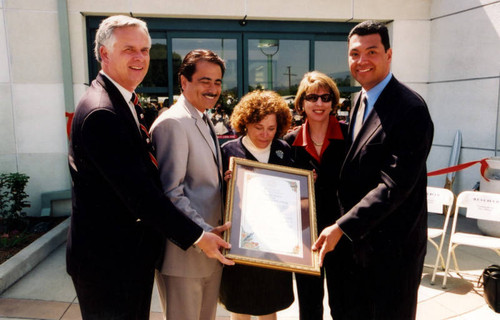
(170, 138)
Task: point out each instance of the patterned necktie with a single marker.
(358, 123)
(142, 127)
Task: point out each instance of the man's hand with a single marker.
(327, 241)
(211, 242)
(220, 229)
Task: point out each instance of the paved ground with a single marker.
(47, 292)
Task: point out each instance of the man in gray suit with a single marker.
(191, 173)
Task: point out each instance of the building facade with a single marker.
(447, 50)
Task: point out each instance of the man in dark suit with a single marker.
(380, 238)
(120, 217)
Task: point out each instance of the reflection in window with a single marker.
(157, 73)
(330, 57)
(277, 64)
(153, 91)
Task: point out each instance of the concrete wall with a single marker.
(32, 109)
(464, 86)
(443, 49)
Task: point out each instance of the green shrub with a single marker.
(9, 240)
(13, 201)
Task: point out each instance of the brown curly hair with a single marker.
(256, 105)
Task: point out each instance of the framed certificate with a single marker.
(272, 211)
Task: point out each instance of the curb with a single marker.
(28, 258)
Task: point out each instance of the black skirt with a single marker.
(255, 291)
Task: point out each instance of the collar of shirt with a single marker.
(183, 99)
(373, 94)
(127, 95)
(304, 139)
(202, 114)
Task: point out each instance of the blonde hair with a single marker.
(315, 80)
(257, 105)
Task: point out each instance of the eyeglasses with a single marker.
(327, 97)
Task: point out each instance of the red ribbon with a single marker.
(484, 166)
(69, 115)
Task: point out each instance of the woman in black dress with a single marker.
(261, 117)
(318, 144)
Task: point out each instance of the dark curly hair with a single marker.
(257, 105)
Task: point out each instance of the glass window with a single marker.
(277, 64)
(265, 54)
(154, 88)
(330, 57)
(157, 73)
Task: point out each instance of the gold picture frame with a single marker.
(273, 216)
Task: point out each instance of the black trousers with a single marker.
(384, 290)
(124, 298)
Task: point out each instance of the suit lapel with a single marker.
(373, 122)
(370, 126)
(217, 147)
(121, 106)
(205, 133)
(276, 153)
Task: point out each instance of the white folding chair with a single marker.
(479, 205)
(437, 199)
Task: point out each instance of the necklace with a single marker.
(316, 144)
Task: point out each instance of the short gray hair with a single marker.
(108, 26)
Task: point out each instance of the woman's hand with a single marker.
(228, 175)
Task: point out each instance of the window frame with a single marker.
(229, 29)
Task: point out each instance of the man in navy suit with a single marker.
(120, 217)
(379, 241)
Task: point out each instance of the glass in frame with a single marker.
(272, 211)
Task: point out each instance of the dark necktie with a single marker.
(212, 133)
(214, 137)
(358, 123)
(142, 127)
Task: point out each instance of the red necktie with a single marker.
(144, 131)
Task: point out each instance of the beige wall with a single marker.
(442, 49)
(464, 84)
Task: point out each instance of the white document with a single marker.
(271, 215)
